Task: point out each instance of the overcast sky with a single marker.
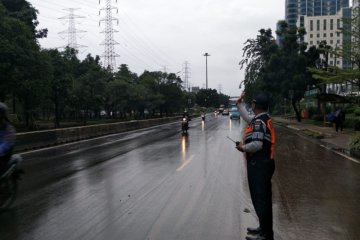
(157, 33)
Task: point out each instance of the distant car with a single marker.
(234, 114)
(225, 112)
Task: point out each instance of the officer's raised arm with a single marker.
(242, 108)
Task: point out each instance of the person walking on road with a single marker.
(7, 138)
(258, 147)
(339, 120)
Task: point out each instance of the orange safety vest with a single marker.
(267, 136)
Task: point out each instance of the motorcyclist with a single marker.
(7, 138)
(203, 116)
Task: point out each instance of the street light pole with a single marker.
(206, 55)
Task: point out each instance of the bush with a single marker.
(355, 143)
(357, 112)
(352, 122)
(350, 109)
(317, 117)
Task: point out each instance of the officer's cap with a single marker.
(261, 100)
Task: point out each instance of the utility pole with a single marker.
(186, 75)
(109, 53)
(71, 32)
(206, 56)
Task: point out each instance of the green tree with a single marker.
(207, 98)
(256, 54)
(26, 13)
(279, 71)
(89, 88)
(223, 99)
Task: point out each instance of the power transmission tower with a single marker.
(109, 53)
(186, 75)
(165, 69)
(72, 31)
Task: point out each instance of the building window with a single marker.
(311, 42)
(311, 25)
(311, 35)
(331, 62)
(331, 41)
(324, 24)
(318, 25)
(331, 55)
(338, 41)
(317, 42)
(338, 24)
(331, 34)
(338, 34)
(331, 24)
(337, 62)
(324, 35)
(318, 35)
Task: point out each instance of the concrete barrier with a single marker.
(40, 139)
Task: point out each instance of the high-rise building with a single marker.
(328, 28)
(294, 8)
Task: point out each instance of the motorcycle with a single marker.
(185, 125)
(9, 182)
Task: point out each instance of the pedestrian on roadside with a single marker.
(258, 147)
(7, 138)
(339, 119)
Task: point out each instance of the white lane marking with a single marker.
(292, 127)
(210, 138)
(185, 163)
(341, 154)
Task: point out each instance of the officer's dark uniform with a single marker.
(260, 168)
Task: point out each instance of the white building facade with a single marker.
(326, 28)
(329, 28)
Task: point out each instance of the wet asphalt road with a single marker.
(158, 184)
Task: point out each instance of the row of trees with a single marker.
(285, 71)
(55, 85)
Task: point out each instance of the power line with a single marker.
(137, 42)
(148, 41)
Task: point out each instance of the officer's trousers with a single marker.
(260, 171)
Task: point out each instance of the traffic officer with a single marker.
(258, 147)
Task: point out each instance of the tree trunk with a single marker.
(56, 120)
(14, 103)
(298, 114)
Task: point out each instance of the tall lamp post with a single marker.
(206, 55)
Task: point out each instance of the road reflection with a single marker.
(184, 146)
